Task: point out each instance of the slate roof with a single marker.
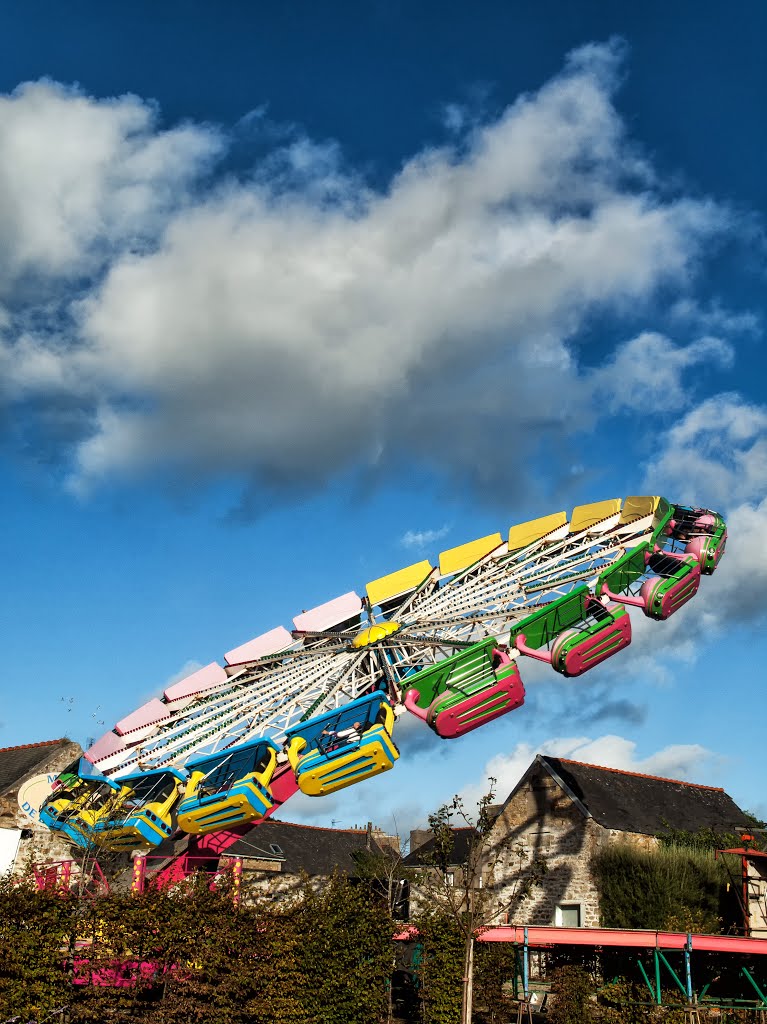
(461, 843)
(647, 804)
(16, 763)
(302, 848)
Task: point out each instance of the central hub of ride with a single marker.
(374, 634)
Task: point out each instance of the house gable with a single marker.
(565, 811)
(539, 800)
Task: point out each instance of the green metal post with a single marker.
(647, 980)
(673, 974)
(756, 987)
(657, 977)
(688, 967)
(525, 967)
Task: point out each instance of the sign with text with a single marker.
(33, 792)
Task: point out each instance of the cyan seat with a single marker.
(228, 788)
(325, 758)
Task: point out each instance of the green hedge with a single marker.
(676, 888)
(320, 957)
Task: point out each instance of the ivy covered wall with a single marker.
(674, 888)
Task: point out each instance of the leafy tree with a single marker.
(454, 886)
(35, 928)
(495, 965)
(571, 989)
(345, 955)
(439, 959)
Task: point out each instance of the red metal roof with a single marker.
(548, 935)
(27, 746)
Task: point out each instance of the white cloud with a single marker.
(714, 317)
(692, 762)
(647, 372)
(423, 538)
(718, 450)
(717, 454)
(280, 329)
(79, 176)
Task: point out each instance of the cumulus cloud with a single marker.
(79, 178)
(717, 454)
(714, 455)
(647, 372)
(285, 327)
(689, 761)
(718, 449)
(714, 317)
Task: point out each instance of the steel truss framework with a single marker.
(323, 670)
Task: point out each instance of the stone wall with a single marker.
(38, 844)
(268, 877)
(542, 823)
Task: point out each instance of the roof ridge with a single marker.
(319, 828)
(638, 775)
(27, 746)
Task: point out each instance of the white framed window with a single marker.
(568, 915)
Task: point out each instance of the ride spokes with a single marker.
(314, 708)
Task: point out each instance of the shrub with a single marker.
(674, 888)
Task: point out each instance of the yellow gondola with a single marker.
(342, 747)
(142, 816)
(82, 797)
(228, 788)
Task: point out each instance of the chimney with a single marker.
(419, 836)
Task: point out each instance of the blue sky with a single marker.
(294, 295)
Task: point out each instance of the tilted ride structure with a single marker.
(314, 709)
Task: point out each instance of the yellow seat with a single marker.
(322, 766)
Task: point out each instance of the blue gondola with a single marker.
(142, 817)
(228, 788)
(81, 797)
(344, 746)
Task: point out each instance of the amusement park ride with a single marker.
(314, 709)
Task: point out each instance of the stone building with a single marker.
(29, 768)
(565, 810)
(562, 812)
(278, 856)
(430, 877)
